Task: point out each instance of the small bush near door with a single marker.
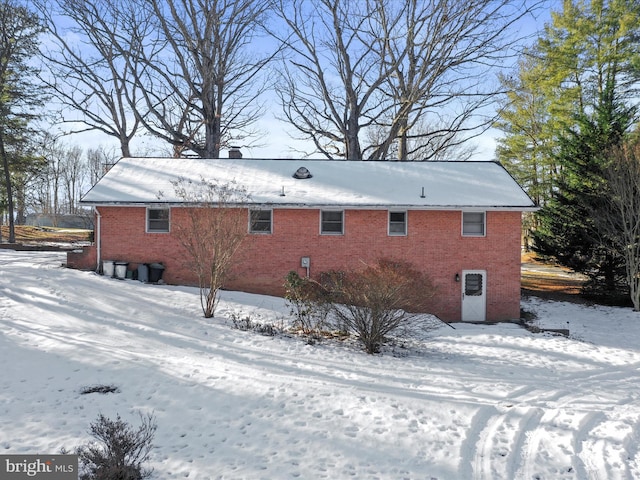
(378, 299)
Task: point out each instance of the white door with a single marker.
(474, 295)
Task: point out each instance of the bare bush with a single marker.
(247, 324)
(214, 228)
(308, 302)
(119, 452)
(380, 299)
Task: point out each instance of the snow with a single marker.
(477, 402)
(333, 183)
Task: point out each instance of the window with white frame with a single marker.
(473, 224)
(157, 220)
(397, 223)
(260, 221)
(331, 222)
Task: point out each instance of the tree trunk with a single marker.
(353, 150)
(124, 145)
(403, 143)
(21, 216)
(7, 179)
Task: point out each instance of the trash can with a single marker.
(121, 270)
(107, 268)
(155, 272)
(143, 272)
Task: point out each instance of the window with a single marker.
(397, 223)
(473, 284)
(260, 221)
(331, 223)
(157, 220)
(473, 224)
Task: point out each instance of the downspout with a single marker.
(97, 239)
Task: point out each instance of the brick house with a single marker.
(458, 221)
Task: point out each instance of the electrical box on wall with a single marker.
(305, 262)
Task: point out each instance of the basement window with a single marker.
(260, 221)
(157, 220)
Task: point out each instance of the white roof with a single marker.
(334, 183)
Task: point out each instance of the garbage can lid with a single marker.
(157, 266)
(121, 263)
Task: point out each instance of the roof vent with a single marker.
(302, 172)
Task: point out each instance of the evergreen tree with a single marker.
(19, 30)
(530, 138)
(568, 230)
(586, 48)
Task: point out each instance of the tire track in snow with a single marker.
(500, 439)
(584, 463)
(561, 436)
(531, 448)
(508, 441)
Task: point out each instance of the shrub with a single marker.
(379, 299)
(308, 301)
(246, 324)
(119, 452)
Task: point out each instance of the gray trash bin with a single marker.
(143, 272)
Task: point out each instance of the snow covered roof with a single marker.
(332, 183)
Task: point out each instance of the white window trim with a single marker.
(168, 230)
(406, 223)
(484, 224)
(261, 232)
(342, 225)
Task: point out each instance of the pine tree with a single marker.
(19, 30)
(568, 229)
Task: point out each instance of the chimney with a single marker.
(234, 152)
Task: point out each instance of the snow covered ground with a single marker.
(477, 402)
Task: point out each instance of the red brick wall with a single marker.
(434, 243)
(83, 259)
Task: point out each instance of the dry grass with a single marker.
(548, 279)
(30, 234)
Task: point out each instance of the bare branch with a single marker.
(384, 65)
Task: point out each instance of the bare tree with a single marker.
(186, 70)
(56, 186)
(99, 161)
(331, 77)
(86, 66)
(211, 229)
(74, 173)
(202, 91)
(401, 66)
(619, 217)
